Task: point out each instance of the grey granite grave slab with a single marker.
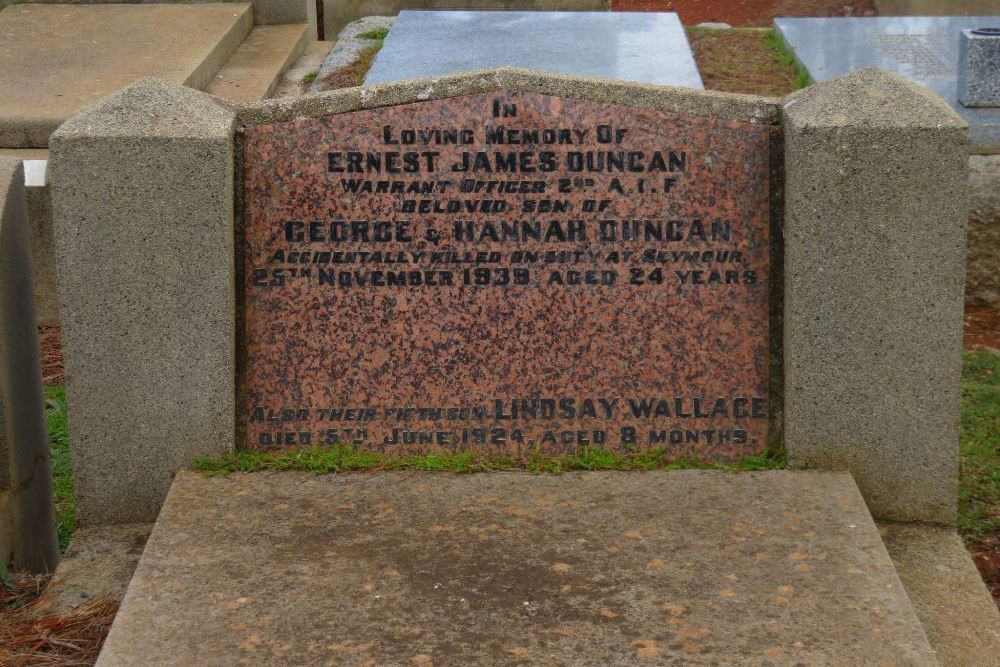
(923, 49)
(599, 568)
(641, 47)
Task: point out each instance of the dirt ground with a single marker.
(987, 558)
(759, 13)
(741, 61)
(982, 328)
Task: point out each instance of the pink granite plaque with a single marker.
(508, 272)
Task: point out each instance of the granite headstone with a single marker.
(508, 272)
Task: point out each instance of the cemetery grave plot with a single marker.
(731, 60)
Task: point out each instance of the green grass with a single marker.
(979, 478)
(346, 458)
(309, 77)
(377, 34)
(784, 56)
(62, 473)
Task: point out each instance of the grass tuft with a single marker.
(62, 472)
(378, 34)
(309, 77)
(784, 56)
(979, 477)
(746, 60)
(346, 458)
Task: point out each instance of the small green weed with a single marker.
(783, 55)
(979, 485)
(62, 472)
(377, 34)
(309, 77)
(343, 458)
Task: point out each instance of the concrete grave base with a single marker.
(99, 562)
(59, 58)
(959, 615)
(688, 567)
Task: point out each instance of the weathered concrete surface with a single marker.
(958, 614)
(99, 562)
(142, 201)
(255, 70)
(60, 58)
(691, 567)
(982, 282)
(27, 523)
(875, 217)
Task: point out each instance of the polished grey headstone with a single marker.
(921, 48)
(641, 47)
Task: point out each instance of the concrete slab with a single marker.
(689, 567)
(99, 562)
(956, 609)
(293, 82)
(59, 58)
(643, 47)
(255, 70)
(923, 49)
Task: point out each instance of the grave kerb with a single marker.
(882, 455)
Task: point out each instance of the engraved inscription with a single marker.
(924, 56)
(507, 272)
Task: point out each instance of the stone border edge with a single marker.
(723, 106)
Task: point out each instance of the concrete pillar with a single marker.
(876, 173)
(142, 201)
(27, 515)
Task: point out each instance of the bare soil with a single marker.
(353, 74)
(50, 342)
(986, 554)
(982, 328)
(736, 61)
(756, 13)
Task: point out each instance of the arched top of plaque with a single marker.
(689, 101)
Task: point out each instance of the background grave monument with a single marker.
(923, 49)
(646, 47)
(979, 67)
